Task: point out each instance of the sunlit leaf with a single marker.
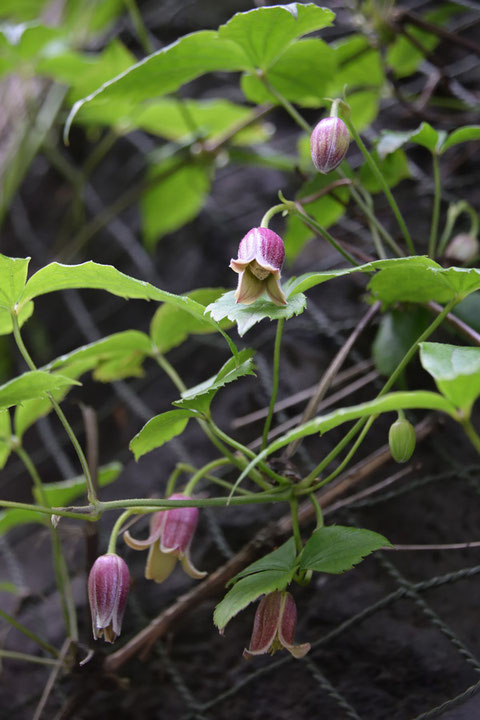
(159, 430)
(246, 316)
(461, 135)
(29, 385)
(456, 371)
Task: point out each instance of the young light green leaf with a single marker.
(283, 558)
(13, 275)
(456, 371)
(30, 385)
(394, 168)
(461, 135)
(6, 586)
(246, 316)
(424, 135)
(15, 516)
(159, 430)
(171, 326)
(6, 325)
(200, 397)
(420, 282)
(64, 492)
(164, 72)
(300, 74)
(264, 33)
(162, 213)
(335, 549)
(248, 589)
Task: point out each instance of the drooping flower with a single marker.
(260, 258)
(274, 627)
(329, 143)
(171, 534)
(108, 585)
(464, 248)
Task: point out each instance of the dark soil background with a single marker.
(372, 658)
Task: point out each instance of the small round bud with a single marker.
(401, 438)
(329, 144)
(463, 248)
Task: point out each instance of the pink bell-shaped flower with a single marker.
(108, 586)
(274, 627)
(260, 259)
(329, 143)
(171, 534)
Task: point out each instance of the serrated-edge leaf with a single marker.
(283, 558)
(246, 591)
(31, 385)
(159, 430)
(336, 549)
(246, 316)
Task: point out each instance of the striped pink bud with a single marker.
(329, 144)
(108, 585)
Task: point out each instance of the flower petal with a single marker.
(189, 568)
(157, 522)
(159, 565)
(249, 288)
(274, 289)
(286, 627)
(265, 625)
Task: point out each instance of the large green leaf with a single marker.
(300, 74)
(159, 430)
(164, 72)
(264, 33)
(246, 316)
(29, 385)
(248, 589)
(416, 282)
(335, 549)
(200, 397)
(283, 558)
(456, 371)
(175, 199)
(424, 135)
(64, 492)
(171, 326)
(13, 274)
(15, 516)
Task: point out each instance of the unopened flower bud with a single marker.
(464, 248)
(329, 144)
(401, 438)
(171, 534)
(259, 262)
(274, 627)
(108, 585)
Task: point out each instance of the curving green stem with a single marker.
(310, 221)
(203, 472)
(432, 243)
(281, 208)
(60, 566)
(471, 434)
(379, 175)
(318, 510)
(276, 368)
(295, 526)
(120, 521)
(29, 633)
(91, 492)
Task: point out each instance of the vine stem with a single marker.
(471, 434)
(202, 472)
(379, 175)
(295, 526)
(13, 655)
(432, 243)
(294, 114)
(270, 213)
(310, 478)
(276, 374)
(91, 493)
(61, 571)
(29, 633)
(112, 543)
(310, 221)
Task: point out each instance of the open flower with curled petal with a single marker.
(171, 534)
(108, 585)
(260, 258)
(274, 627)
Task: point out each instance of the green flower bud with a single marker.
(401, 438)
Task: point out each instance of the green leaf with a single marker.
(397, 331)
(6, 586)
(6, 326)
(63, 493)
(300, 74)
(364, 106)
(247, 590)
(15, 516)
(200, 397)
(169, 118)
(469, 310)
(283, 558)
(13, 275)
(21, 10)
(171, 326)
(29, 385)
(394, 168)
(456, 371)
(461, 135)
(424, 135)
(5, 433)
(246, 316)
(335, 549)
(421, 283)
(175, 200)
(264, 33)
(159, 430)
(163, 72)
